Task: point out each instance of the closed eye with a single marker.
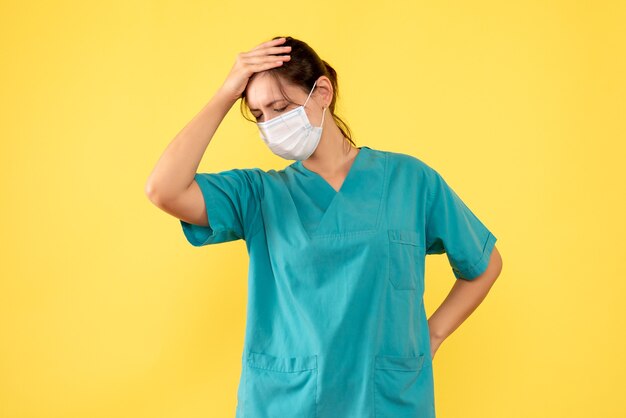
(275, 110)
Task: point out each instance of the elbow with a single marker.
(149, 191)
(153, 194)
(495, 264)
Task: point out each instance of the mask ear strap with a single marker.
(307, 99)
(323, 113)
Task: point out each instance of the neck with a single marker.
(332, 153)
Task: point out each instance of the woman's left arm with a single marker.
(463, 299)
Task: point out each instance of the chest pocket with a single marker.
(283, 387)
(406, 259)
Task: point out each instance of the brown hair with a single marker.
(304, 67)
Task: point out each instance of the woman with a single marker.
(336, 325)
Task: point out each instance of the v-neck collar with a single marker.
(354, 208)
(354, 167)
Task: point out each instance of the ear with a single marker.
(324, 91)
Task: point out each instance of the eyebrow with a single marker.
(271, 103)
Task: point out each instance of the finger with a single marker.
(269, 50)
(257, 68)
(265, 64)
(261, 59)
(271, 42)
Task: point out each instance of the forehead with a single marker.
(262, 91)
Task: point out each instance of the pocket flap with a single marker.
(400, 363)
(282, 364)
(405, 236)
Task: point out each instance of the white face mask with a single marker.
(291, 134)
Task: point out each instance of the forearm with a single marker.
(463, 299)
(178, 164)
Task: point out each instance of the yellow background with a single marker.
(107, 311)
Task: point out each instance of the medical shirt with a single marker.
(335, 324)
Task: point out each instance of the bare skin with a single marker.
(172, 188)
(334, 155)
(332, 162)
(171, 185)
(463, 299)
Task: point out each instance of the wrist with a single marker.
(224, 95)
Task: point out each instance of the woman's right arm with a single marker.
(171, 185)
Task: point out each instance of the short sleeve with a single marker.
(232, 200)
(451, 227)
